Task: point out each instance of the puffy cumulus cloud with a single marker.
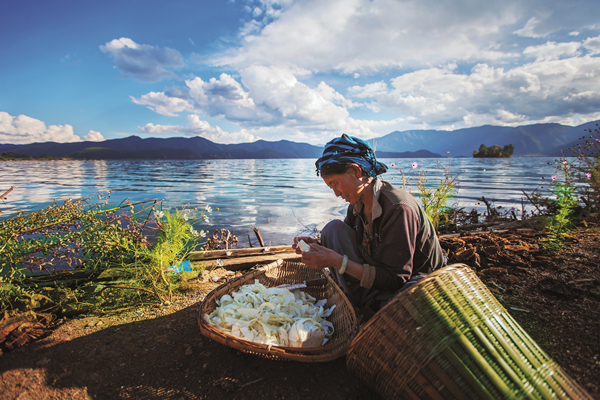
(224, 97)
(94, 136)
(143, 62)
(199, 127)
(23, 130)
(265, 97)
(367, 36)
(287, 101)
(355, 35)
(554, 90)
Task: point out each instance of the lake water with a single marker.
(279, 197)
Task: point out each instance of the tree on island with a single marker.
(494, 152)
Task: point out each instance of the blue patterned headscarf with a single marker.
(351, 150)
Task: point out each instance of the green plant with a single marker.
(86, 255)
(434, 197)
(563, 200)
(177, 239)
(586, 168)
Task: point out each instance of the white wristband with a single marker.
(342, 269)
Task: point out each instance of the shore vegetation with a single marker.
(91, 255)
(10, 156)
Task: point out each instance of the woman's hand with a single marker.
(320, 257)
(307, 240)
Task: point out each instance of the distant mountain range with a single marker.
(529, 140)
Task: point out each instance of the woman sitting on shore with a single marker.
(386, 238)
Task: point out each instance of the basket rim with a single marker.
(306, 354)
(432, 276)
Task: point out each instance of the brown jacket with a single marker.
(401, 242)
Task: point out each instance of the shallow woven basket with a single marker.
(448, 337)
(343, 316)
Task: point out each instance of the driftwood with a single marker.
(245, 252)
(259, 237)
(238, 259)
(236, 264)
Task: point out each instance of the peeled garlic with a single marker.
(273, 316)
(303, 246)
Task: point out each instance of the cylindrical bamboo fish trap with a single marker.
(448, 337)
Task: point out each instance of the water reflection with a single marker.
(280, 197)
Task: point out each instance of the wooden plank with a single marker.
(240, 263)
(233, 253)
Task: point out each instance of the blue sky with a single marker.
(307, 71)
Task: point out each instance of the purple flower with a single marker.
(568, 181)
(588, 175)
(554, 177)
(392, 164)
(415, 165)
(565, 162)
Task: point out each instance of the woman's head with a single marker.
(348, 166)
(340, 152)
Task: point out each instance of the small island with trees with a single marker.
(494, 152)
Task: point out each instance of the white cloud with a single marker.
(23, 130)
(266, 97)
(552, 51)
(199, 127)
(361, 35)
(164, 104)
(529, 30)
(592, 44)
(552, 16)
(279, 94)
(453, 64)
(143, 62)
(369, 90)
(94, 136)
(541, 91)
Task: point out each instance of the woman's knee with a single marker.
(331, 232)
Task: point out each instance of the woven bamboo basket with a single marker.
(448, 337)
(280, 272)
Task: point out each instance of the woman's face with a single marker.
(349, 186)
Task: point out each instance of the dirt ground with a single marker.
(157, 352)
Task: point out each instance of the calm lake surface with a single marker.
(280, 197)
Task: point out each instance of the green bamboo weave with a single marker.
(448, 337)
